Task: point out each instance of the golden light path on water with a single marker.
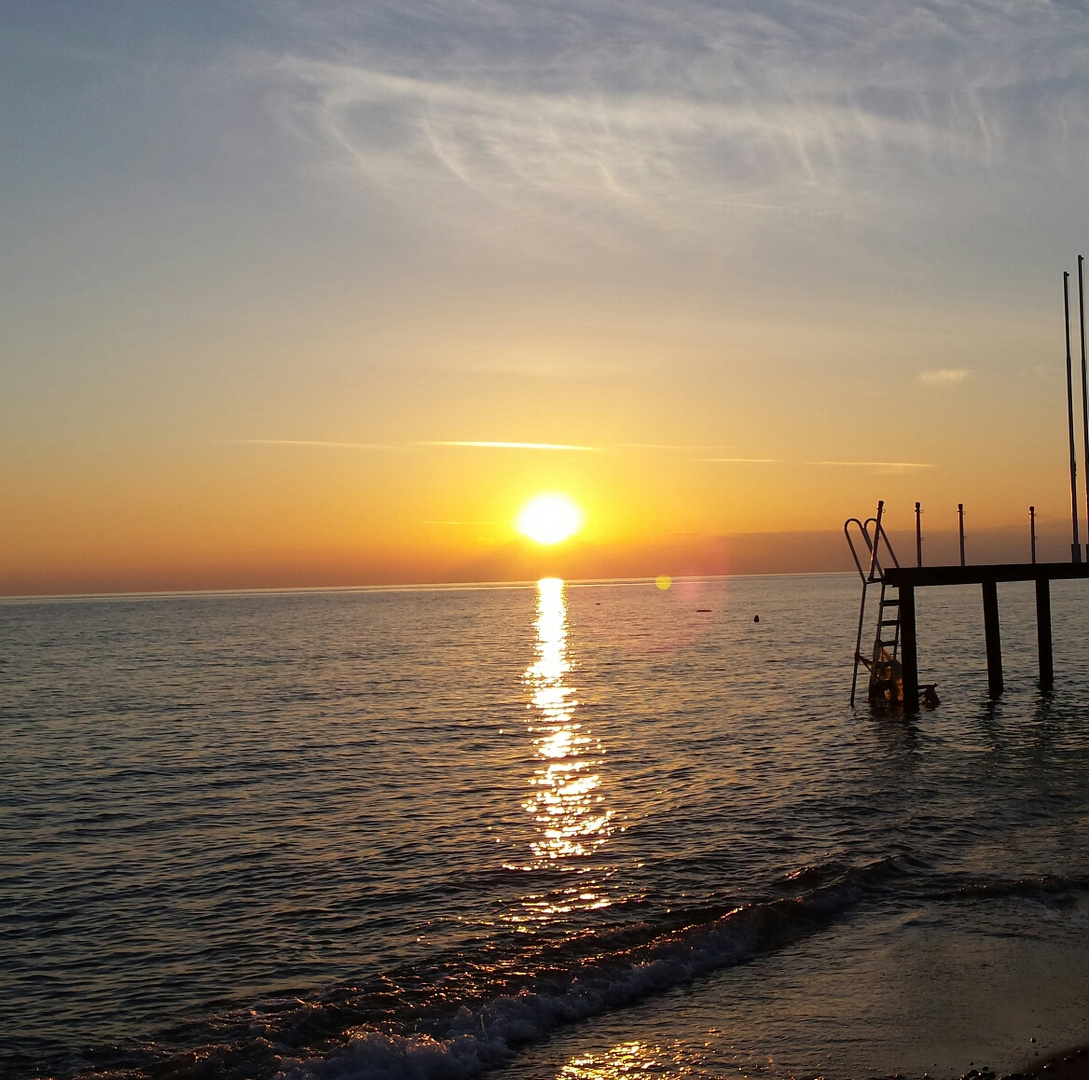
(565, 797)
(626, 1059)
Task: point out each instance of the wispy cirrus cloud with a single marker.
(673, 116)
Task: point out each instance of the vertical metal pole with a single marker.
(858, 642)
(918, 536)
(994, 641)
(1043, 632)
(875, 563)
(960, 516)
(1084, 386)
(909, 656)
(1075, 544)
(1032, 532)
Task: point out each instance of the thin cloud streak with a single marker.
(875, 464)
(490, 445)
(483, 444)
(315, 442)
(474, 444)
(660, 446)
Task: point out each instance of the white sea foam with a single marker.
(483, 1037)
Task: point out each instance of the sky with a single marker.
(281, 284)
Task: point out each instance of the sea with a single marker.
(554, 831)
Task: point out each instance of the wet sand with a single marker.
(1070, 1064)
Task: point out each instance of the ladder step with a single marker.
(895, 602)
(889, 622)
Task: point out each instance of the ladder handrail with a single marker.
(876, 573)
(875, 563)
(864, 531)
(851, 544)
(881, 534)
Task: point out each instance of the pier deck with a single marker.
(909, 578)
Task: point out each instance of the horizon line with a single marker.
(432, 586)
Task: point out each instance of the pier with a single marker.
(893, 663)
(906, 579)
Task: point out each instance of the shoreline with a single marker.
(1070, 1063)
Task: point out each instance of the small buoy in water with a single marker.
(756, 618)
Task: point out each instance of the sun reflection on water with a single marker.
(565, 791)
(625, 1060)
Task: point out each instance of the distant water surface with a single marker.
(559, 831)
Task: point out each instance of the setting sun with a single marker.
(548, 519)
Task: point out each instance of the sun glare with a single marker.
(548, 519)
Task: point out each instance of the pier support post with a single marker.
(994, 641)
(909, 657)
(1043, 632)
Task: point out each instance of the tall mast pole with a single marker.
(1084, 386)
(1075, 546)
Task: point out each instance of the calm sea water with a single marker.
(555, 831)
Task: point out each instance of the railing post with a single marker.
(1043, 632)
(1032, 532)
(918, 535)
(994, 641)
(909, 657)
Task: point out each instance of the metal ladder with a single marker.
(882, 663)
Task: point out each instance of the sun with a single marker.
(548, 519)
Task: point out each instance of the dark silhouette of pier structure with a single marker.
(906, 579)
(893, 664)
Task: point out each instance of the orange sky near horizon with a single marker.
(276, 289)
